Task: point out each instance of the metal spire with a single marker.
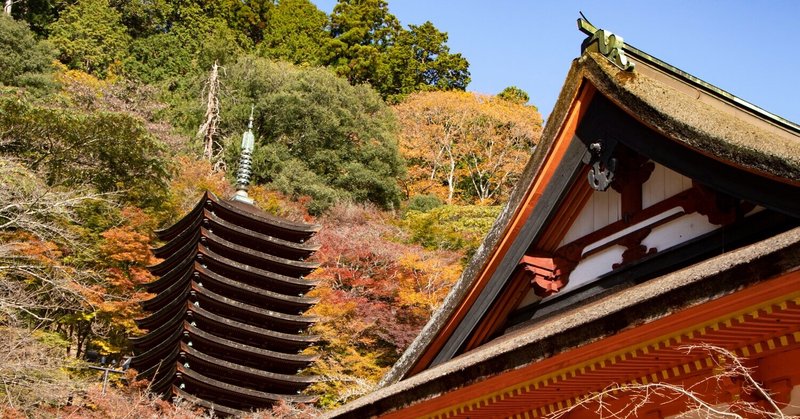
(245, 163)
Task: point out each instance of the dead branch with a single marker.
(208, 129)
(635, 397)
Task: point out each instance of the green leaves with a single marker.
(22, 58)
(317, 135)
(295, 33)
(370, 46)
(111, 151)
(90, 37)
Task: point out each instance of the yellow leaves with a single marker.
(465, 147)
(427, 281)
(192, 178)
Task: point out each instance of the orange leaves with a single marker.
(192, 178)
(124, 245)
(376, 293)
(465, 147)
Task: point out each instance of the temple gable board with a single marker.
(658, 212)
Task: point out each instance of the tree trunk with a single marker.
(7, 7)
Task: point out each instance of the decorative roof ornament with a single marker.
(245, 163)
(606, 43)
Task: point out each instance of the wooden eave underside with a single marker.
(286, 341)
(281, 321)
(289, 382)
(214, 407)
(237, 330)
(246, 255)
(242, 394)
(253, 218)
(280, 362)
(279, 283)
(289, 304)
(254, 239)
(755, 281)
(292, 361)
(752, 324)
(198, 252)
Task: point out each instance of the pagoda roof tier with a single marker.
(262, 359)
(275, 301)
(283, 303)
(215, 407)
(246, 216)
(157, 318)
(181, 238)
(273, 245)
(175, 275)
(277, 282)
(154, 337)
(231, 268)
(165, 296)
(256, 258)
(251, 314)
(184, 223)
(282, 362)
(148, 362)
(239, 235)
(245, 312)
(251, 217)
(244, 395)
(179, 255)
(162, 384)
(237, 374)
(239, 331)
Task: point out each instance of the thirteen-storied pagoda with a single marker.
(226, 326)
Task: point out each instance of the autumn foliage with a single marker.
(93, 160)
(376, 294)
(465, 147)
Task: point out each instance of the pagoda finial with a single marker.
(245, 163)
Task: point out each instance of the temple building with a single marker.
(651, 245)
(227, 327)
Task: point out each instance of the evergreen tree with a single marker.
(90, 37)
(22, 58)
(295, 33)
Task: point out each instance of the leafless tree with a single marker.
(208, 130)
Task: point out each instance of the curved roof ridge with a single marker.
(292, 339)
(305, 247)
(287, 281)
(303, 302)
(290, 227)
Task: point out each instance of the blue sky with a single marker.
(749, 48)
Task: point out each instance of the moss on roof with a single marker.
(696, 117)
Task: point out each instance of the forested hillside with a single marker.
(116, 115)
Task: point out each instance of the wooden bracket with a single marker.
(548, 273)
